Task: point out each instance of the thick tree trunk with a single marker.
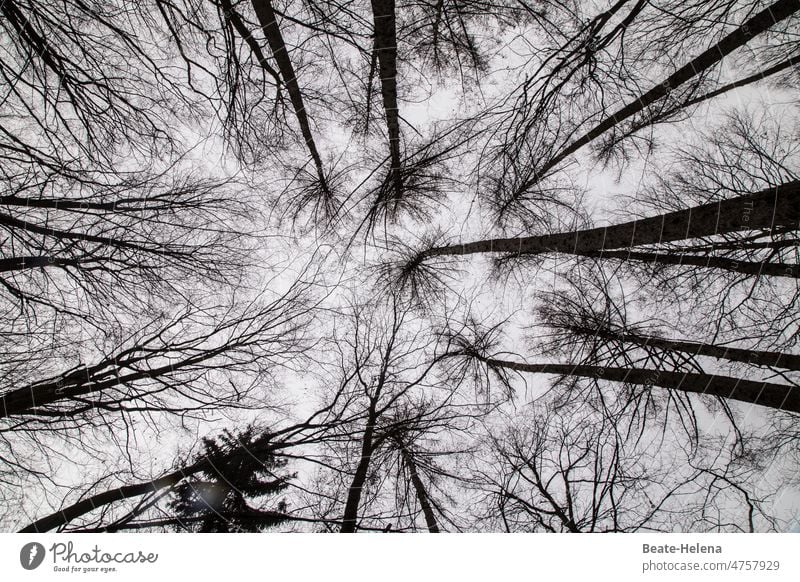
(386, 49)
(757, 24)
(779, 396)
(66, 515)
(419, 488)
(272, 32)
(119, 205)
(766, 210)
(32, 262)
(350, 517)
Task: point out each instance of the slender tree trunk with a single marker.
(757, 24)
(419, 488)
(383, 12)
(350, 517)
(23, 225)
(779, 396)
(89, 504)
(711, 262)
(765, 210)
(121, 204)
(754, 78)
(88, 380)
(247, 36)
(66, 515)
(754, 357)
(272, 32)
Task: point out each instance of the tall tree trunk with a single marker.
(779, 396)
(754, 78)
(272, 32)
(350, 517)
(419, 488)
(765, 210)
(32, 262)
(755, 357)
(710, 262)
(240, 27)
(385, 26)
(757, 24)
(13, 223)
(89, 504)
(86, 381)
(67, 514)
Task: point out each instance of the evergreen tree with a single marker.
(224, 497)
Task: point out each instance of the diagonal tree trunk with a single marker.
(779, 396)
(765, 210)
(350, 517)
(164, 361)
(12, 223)
(419, 488)
(76, 510)
(754, 357)
(754, 78)
(757, 24)
(89, 504)
(710, 262)
(90, 380)
(32, 262)
(385, 25)
(240, 27)
(272, 32)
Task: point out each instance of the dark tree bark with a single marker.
(33, 262)
(755, 25)
(76, 510)
(754, 78)
(769, 209)
(263, 448)
(754, 357)
(419, 488)
(272, 32)
(710, 262)
(350, 516)
(247, 36)
(73, 387)
(779, 396)
(170, 358)
(386, 48)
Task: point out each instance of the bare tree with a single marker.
(543, 131)
(766, 214)
(169, 167)
(576, 473)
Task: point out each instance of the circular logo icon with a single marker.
(31, 555)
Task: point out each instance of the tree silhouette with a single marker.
(478, 265)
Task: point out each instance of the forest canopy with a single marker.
(399, 265)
